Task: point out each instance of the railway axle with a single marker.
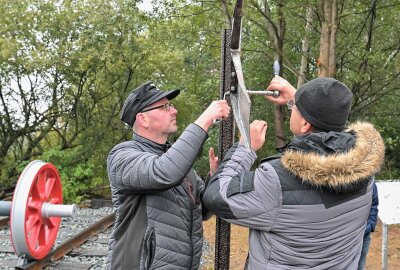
(36, 210)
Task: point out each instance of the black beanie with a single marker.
(325, 103)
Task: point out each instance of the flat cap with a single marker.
(141, 97)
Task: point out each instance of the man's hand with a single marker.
(286, 90)
(258, 129)
(217, 110)
(213, 161)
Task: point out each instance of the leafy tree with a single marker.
(66, 68)
(64, 75)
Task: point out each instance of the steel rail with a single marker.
(71, 244)
(6, 193)
(4, 222)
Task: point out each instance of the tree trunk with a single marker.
(280, 138)
(327, 56)
(227, 15)
(357, 88)
(324, 47)
(305, 48)
(276, 31)
(332, 51)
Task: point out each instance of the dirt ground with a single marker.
(239, 239)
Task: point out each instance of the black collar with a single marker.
(147, 142)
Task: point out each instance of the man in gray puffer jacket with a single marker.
(308, 206)
(156, 194)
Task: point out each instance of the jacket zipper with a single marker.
(192, 204)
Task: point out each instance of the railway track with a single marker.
(81, 243)
(48, 234)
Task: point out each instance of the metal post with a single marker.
(226, 137)
(384, 246)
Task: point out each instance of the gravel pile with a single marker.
(5, 245)
(93, 252)
(97, 245)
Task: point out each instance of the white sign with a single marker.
(389, 201)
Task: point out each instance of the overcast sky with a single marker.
(145, 5)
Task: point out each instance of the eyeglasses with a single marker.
(290, 105)
(166, 106)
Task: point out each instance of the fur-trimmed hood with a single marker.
(336, 160)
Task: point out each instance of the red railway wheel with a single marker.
(34, 227)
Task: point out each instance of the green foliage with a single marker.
(389, 126)
(76, 176)
(66, 68)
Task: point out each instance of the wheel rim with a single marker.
(31, 233)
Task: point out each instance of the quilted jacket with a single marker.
(157, 201)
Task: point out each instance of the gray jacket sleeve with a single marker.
(145, 171)
(241, 196)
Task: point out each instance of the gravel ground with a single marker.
(70, 227)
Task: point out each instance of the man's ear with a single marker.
(306, 127)
(142, 120)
